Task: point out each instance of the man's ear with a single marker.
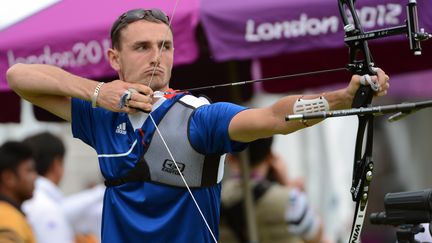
(113, 57)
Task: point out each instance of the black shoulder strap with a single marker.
(234, 215)
(139, 173)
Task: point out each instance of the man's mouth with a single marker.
(156, 71)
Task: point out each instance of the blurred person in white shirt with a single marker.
(52, 215)
(84, 210)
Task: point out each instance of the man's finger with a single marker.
(370, 80)
(142, 106)
(142, 89)
(124, 99)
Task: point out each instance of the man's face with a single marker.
(141, 57)
(25, 180)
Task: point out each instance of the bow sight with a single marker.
(354, 35)
(411, 29)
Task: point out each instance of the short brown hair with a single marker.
(152, 15)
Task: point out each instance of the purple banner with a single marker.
(74, 34)
(259, 28)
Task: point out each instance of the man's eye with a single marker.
(141, 47)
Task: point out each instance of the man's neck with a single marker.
(53, 178)
(10, 197)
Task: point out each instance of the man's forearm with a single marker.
(32, 80)
(253, 124)
(336, 100)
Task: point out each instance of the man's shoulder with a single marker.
(84, 113)
(10, 216)
(8, 210)
(79, 106)
(13, 225)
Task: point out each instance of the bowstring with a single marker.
(160, 134)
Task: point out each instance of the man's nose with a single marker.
(155, 57)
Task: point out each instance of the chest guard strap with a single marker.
(141, 173)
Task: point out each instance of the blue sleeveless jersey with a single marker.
(148, 212)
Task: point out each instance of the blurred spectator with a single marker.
(47, 210)
(84, 211)
(17, 177)
(282, 210)
(44, 210)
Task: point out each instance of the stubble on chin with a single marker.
(158, 86)
(156, 83)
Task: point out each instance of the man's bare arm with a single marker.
(258, 123)
(51, 88)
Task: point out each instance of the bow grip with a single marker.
(365, 93)
(363, 97)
